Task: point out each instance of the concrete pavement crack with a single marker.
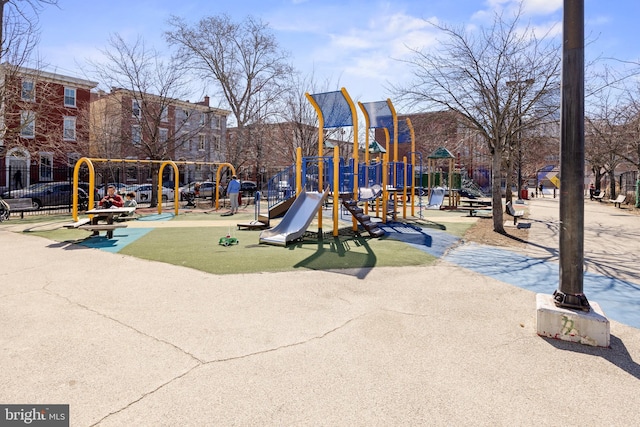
(199, 362)
(295, 344)
(124, 324)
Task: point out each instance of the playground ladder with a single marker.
(357, 212)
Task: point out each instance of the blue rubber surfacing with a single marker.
(121, 238)
(619, 299)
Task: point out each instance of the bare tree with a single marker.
(149, 86)
(243, 59)
(501, 80)
(19, 27)
(19, 36)
(628, 148)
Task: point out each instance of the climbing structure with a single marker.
(365, 220)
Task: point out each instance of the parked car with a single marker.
(49, 194)
(85, 187)
(248, 187)
(205, 189)
(101, 190)
(143, 193)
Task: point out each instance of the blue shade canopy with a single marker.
(335, 109)
(404, 132)
(380, 115)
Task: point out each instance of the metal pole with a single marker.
(570, 293)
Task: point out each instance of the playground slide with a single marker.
(297, 219)
(436, 198)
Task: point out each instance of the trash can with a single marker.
(524, 194)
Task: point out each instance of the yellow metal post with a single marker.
(404, 189)
(92, 180)
(367, 123)
(413, 165)
(176, 191)
(336, 184)
(316, 107)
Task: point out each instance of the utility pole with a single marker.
(570, 293)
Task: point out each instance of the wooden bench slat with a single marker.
(618, 200)
(77, 223)
(21, 205)
(514, 213)
(102, 227)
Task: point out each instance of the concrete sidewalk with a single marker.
(131, 342)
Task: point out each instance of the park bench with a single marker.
(599, 196)
(20, 205)
(514, 213)
(618, 200)
(96, 228)
(77, 223)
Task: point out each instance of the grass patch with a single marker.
(198, 248)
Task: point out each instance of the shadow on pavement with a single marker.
(617, 354)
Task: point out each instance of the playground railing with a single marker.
(281, 186)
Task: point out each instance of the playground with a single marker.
(335, 346)
(191, 239)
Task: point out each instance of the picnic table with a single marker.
(103, 220)
(478, 203)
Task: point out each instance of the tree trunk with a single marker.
(612, 184)
(508, 195)
(154, 185)
(496, 192)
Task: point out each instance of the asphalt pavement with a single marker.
(128, 342)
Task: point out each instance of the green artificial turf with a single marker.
(199, 248)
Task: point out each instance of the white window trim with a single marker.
(26, 117)
(75, 97)
(215, 122)
(166, 135)
(49, 156)
(138, 132)
(135, 104)
(64, 128)
(33, 90)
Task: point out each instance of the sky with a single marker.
(356, 44)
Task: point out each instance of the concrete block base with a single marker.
(590, 328)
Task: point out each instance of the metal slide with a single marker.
(297, 219)
(436, 198)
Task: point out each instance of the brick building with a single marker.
(129, 125)
(43, 125)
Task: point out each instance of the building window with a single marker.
(28, 90)
(201, 143)
(69, 97)
(202, 119)
(135, 108)
(46, 166)
(69, 128)
(215, 122)
(164, 114)
(131, 173)
(27, 124)
(163, 135)
(136, 137)
(72, 159)
(216, 143)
